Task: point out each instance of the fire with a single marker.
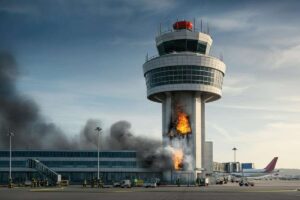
(177, 159)
(183, 124)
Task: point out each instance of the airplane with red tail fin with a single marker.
(269, 169)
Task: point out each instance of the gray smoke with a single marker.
(21, 115)
(150, 151)
(119, 137)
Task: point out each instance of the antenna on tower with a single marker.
(207, 28)
(160, 28)
(194, 24)
(201, 26)
(221, 56)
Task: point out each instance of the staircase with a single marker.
(44, 170)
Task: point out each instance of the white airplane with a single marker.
(269, 169)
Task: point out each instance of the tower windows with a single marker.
(180, 46)
(183, 75)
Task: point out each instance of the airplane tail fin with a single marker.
(271, 166)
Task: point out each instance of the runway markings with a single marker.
(47, 189)
(270, 191)
(124, 191)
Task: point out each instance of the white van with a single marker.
(125, 184)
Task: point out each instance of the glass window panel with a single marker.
(184, 74)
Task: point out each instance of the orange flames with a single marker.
(183, 126)
(177, 159)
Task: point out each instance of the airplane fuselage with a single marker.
(269, 169)
(254, 173)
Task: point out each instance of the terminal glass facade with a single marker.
(74, 166)
(67, 164)
(83, 154)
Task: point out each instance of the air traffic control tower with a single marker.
(183, 77)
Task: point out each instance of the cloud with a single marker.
(260, 108)
(290, 99)
(132, 42)
(76, 102)
(154, 5)
(236, 84)
(231, 21)
(287, 58)
(19, 9)
(220, 130)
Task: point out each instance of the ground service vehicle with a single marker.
(138, 182)
(150, 184)
(125, 184)
(64, 183)
(245, 182)
(116, 184)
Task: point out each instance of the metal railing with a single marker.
(170, 30)
(148, 58)
(198, 26)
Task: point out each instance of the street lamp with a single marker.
(10, 134)
(98, 129)
(234, 153)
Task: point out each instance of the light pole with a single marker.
(234, 153)
(98, 129)
(10, 134)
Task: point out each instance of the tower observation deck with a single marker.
(183, 78)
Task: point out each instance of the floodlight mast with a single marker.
(10, 134)
(234, 153)
(98, 129)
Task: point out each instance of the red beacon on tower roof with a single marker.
(183, 25)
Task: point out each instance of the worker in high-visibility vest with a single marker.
(135, 182)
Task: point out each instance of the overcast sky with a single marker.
(83, 59)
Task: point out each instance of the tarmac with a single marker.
(266, 190)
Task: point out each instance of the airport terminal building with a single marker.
(75, 166)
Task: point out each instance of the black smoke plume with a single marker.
(19, 114)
